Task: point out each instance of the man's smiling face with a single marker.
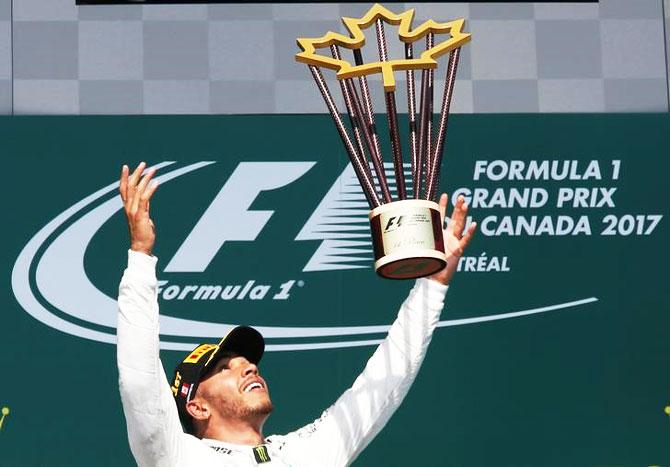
(235, 389)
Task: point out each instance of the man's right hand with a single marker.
(136, 192)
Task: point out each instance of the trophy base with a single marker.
(410, 268)
(407, 239)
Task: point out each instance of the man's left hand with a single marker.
(455, 241)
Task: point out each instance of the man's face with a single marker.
(235, 389)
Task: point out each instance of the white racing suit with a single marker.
(335, 439)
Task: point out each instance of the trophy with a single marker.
(407, 231)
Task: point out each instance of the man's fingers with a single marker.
(132, 181)
(140, 190)
(145, 180)
(147, 194)
(443, 207)
(465, 241)
(136, 175)
(123, 183)
(458, 216)
(135, 189)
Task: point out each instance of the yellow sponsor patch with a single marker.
(175, 385)
(199, 352)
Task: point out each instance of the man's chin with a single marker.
(266, 408)
(260, 406)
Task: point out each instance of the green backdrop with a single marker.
(579, 377)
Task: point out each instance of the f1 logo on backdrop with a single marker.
(344, 202)
(51, 284)
(232, 203)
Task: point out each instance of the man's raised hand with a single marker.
(136, 191)
(455, 241)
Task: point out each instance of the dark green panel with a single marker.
(581, 385)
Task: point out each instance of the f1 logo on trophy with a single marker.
(406, 231)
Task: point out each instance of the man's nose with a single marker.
(250, 369)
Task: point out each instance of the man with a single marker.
(217, 390)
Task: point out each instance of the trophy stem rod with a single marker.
(365, 181)
(430, 42)
(436, 162)
(426, 118)
(355, 116)
(377, 162)
(395, 145)
(411, 110)
(421, 155)
(392, 115)
(370, 131)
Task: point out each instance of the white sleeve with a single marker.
(154, 430)
(348, 426)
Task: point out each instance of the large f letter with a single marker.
(228, 217)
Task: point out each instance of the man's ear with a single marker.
(198, 409)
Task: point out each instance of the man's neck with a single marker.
(235, 432)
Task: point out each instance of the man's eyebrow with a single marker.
(220, 364)
(225, 360)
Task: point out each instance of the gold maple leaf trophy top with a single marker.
(407, 233)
